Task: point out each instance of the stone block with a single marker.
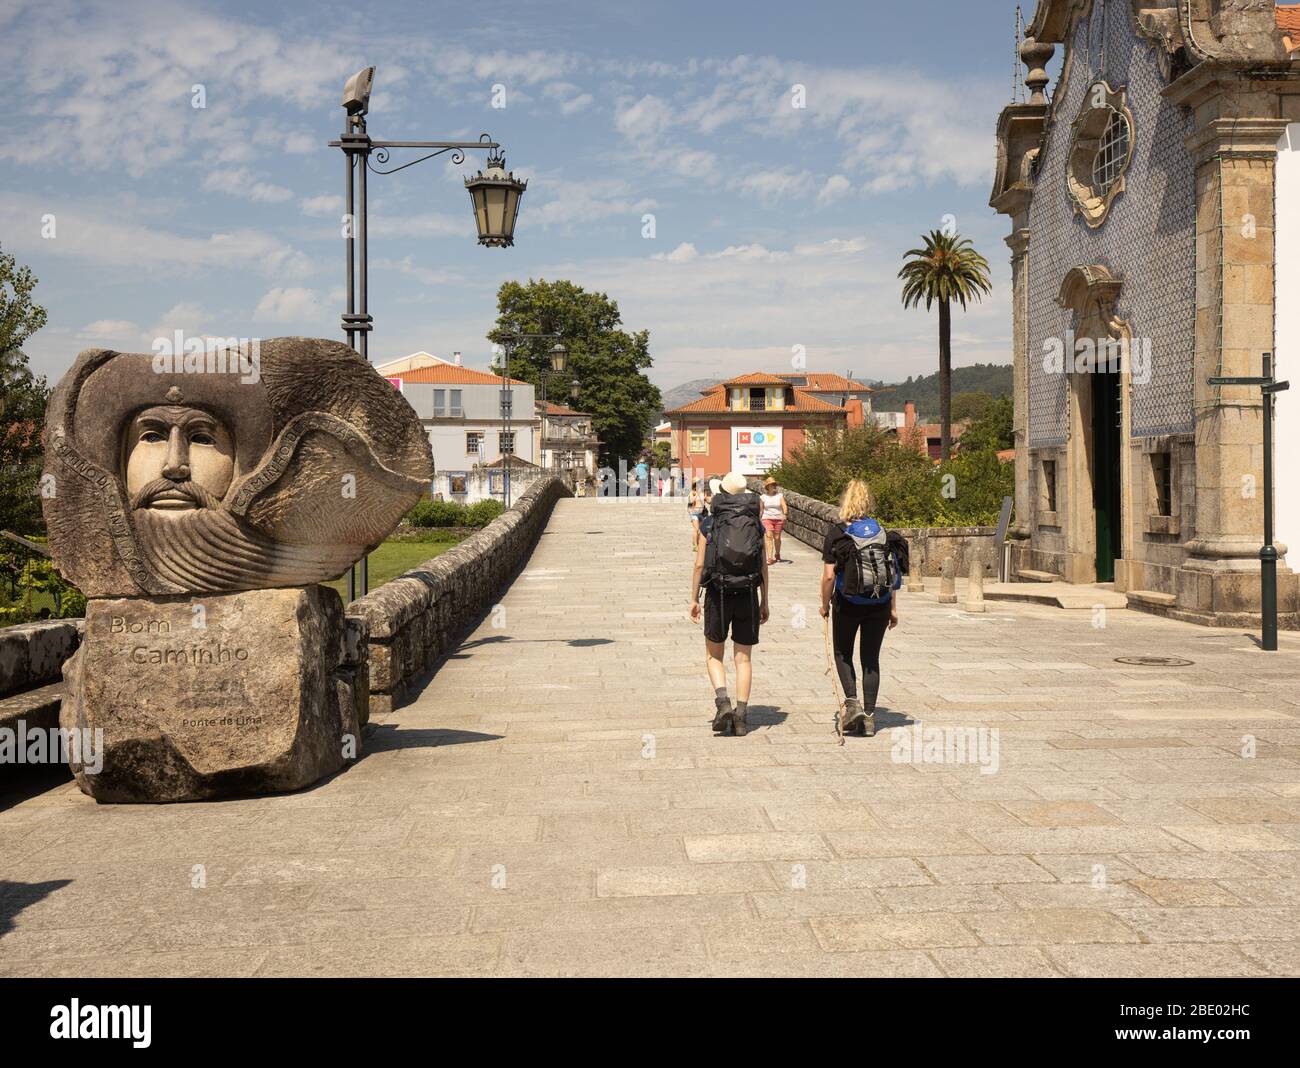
(254, 700)
(32, 654)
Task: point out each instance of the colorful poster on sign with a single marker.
(755, 450)
(395, 382)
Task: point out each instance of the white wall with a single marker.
(1287, 357)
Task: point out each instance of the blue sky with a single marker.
(774, 226)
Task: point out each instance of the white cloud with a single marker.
(90, 234)
(108, 332)
(328, 204)
(240, 182)
(683, 253)
(834, 188)
(773, 185)
(288, 305)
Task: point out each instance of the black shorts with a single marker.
(735, 611)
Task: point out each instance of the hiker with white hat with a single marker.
(730, 566)
(775, 511)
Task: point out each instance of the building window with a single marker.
(439, 402)
(1049, 484)
(1101, 149)
(1112, 153)
(699, 441)
(506, 442)
(456, 410)
(456, 484)
(758, 400)
(1162, 469)
(473, 442)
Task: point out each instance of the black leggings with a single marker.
(844, 631)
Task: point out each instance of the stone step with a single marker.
(1037, 576)
(38, 708)
(1152, 597)
(1057, 594)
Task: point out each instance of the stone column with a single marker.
(1022, 528)
(1235, 160)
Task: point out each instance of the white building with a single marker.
(460, 408)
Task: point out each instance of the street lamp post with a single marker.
(494, 193)
(1269, 386)
(559, 357)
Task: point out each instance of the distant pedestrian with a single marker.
(775, 511)
(732, 570)
(860, 578)
(696, 503)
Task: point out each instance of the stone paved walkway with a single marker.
(554, 804)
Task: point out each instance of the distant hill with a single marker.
(923, 391)
(685, 393)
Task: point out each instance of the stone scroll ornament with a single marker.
(197, 504)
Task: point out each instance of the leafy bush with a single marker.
(908, 487)
(431, 513)
(481, 513)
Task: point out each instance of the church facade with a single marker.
(1154, 200)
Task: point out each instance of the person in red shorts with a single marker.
(774, 512)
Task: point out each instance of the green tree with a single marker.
(22, 401)
(994, 430)
(908, 487)
(946, 269)
(970, 406)
(608, 362)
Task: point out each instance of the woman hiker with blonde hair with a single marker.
(861, 574)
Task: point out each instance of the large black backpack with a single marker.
(733, 556)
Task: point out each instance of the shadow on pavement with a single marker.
(14, 897)
(21, 782)
(390, 736)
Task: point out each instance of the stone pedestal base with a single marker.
(216, 695)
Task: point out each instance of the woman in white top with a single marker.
(774, 512)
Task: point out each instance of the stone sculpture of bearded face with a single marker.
(177, 459)
(192, 482)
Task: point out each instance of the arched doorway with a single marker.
(1098, 455)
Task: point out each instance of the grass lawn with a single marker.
(392, 558)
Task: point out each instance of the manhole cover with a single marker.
(1153, 661)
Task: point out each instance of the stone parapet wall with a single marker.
(32, 654)
(418, 617)
(809, 519)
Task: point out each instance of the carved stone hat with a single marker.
(327, 458)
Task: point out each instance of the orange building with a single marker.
(751, 423)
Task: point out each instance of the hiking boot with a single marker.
(739, 725)
(722, 718)
(851, 716)
(867, 725)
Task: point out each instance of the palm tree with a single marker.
(947, 269)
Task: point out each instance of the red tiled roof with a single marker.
(515, 461)
(756, 378)
(1288, 21)
(452, 375)
(715, 400)
(826, 382)
(558, 409)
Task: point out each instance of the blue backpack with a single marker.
(870, 573)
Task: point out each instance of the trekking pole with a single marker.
(835, 679)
